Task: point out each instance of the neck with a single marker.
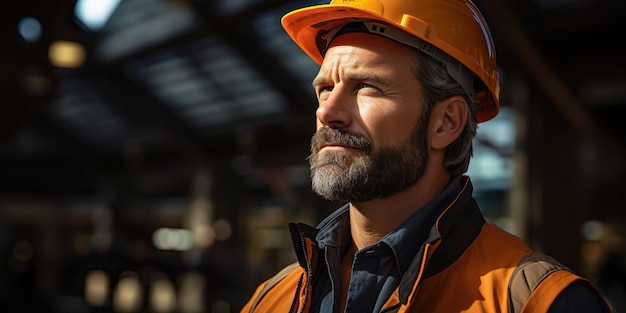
(372, 220)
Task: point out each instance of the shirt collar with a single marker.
(404, 241)
(334, 230)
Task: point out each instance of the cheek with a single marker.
(388, 125)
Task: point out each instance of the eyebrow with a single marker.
(319, 81)
(358, 77)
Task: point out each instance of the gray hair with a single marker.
(438, 85)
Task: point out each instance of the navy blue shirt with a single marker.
(376, 269)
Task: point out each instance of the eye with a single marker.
(321, 90)
(325, 88)
(367, 89)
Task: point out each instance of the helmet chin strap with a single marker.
(457, 71)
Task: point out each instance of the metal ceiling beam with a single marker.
(238, 32)
(546, 76)
(133, 99)
(538, 67)
(243, 42)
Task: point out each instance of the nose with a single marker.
(334, 111)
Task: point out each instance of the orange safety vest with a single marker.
(466, 265)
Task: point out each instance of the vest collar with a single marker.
(455, 229)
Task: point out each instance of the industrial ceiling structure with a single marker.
(168, 85)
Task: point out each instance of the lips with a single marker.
(336, 144)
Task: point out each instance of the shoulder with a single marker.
(540, 283)
(496, 247)
(497, 236)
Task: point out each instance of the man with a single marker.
(401, 87)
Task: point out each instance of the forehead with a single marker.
(353, 50)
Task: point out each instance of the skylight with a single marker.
(94, 14)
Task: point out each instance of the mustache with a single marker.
(335, 135)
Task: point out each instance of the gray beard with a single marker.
(341, 176)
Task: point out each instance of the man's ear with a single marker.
(448, 121)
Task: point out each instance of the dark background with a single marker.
(197, 115)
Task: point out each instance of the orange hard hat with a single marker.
(452, 31)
